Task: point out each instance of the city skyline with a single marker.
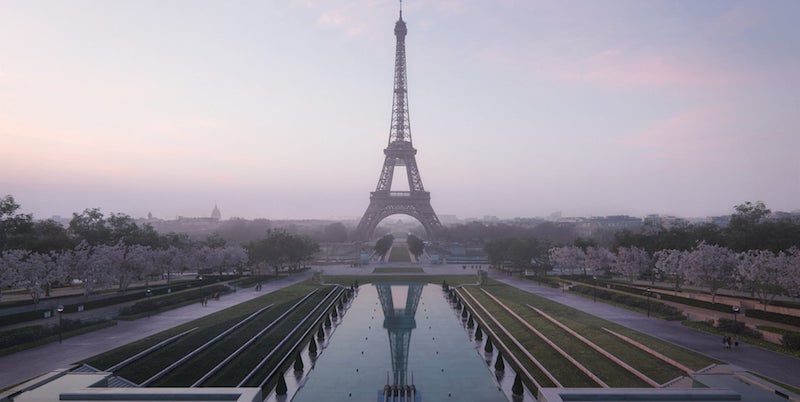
(687, 109)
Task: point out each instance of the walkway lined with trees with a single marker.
(23, 365)
(781, 367)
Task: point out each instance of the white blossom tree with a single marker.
(711, 266)
(597, 259)
(92, 264)
(567, 257)
(630, 262)
(672, 263)
(234, 257)
(135, 263)
(761, 271)
(10, 265)
(36, 272)
(790, 280)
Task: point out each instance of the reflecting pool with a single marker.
(399, 333)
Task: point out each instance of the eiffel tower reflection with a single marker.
(399, 322)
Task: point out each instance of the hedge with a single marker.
(721, 307)
(106, 301)
(174, 299)
(553, 283)
(663, 310)
(35, 333)
(250, 281)
(775, 317)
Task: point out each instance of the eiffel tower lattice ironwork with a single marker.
(400, 151)
(399, 322)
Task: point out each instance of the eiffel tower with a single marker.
(384, 202)
(399, 321)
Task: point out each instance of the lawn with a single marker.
(590, 327)
(399, 253)
(217, 321)
(397, 270)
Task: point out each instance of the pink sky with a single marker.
(281, 110)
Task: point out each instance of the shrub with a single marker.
(130, 295)
(657, 308)
(173, 299)
(791, 341)
(18, 336)
(774, 317)
(737, 327)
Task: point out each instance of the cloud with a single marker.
(683, 136)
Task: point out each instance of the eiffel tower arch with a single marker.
(400, 151)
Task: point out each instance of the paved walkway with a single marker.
(18, 367)
(429, 269)
(775, 365)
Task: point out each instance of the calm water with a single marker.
(429, 344)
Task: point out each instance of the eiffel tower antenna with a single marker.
(399, 151)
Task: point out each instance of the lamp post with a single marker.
(735, 311)
(149, 307)
(594, 292)
(60, 310)
(647, 294)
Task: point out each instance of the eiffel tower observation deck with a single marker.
(400, 151)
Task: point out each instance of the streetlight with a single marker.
(60, 310)
(594, 278)
(647, 294)
(149, 307)
(735, 312)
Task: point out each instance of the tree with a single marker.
(14, 227)
(791, 278)
(131, 263)
(36, 272)
(749, 213)
(214, 240)
(299, 249)
(672, 262)
(279, 248)
(761, 271)
(90, 226)
(93, 264)
(383, 245)
(630, 262)
(710, 266)
(415, 245)
(11, 262)
(235, 257)
(597, 259)
(567, 257)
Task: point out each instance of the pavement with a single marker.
(21, 366)
(429, 269)
(778, 366)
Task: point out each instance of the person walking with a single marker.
(736, 341)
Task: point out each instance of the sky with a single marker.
(280, 109)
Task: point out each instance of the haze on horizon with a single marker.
(281, 109)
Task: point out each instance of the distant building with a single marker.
(215, 213)
(448, 219)
(588, 227)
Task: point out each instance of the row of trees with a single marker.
(281, 249)
(764, 273)
(750, 228)
(103, 266)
